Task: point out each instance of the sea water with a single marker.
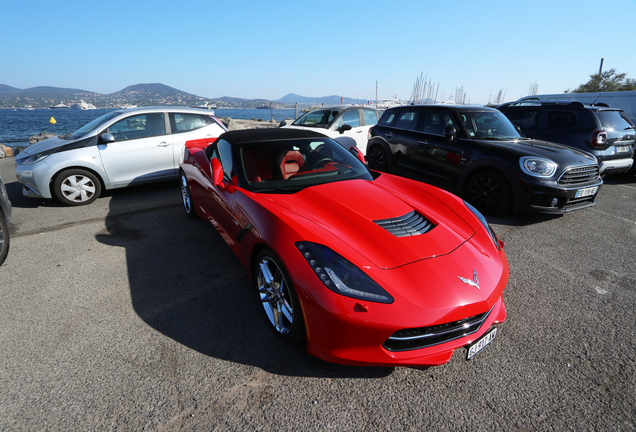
(16, 126)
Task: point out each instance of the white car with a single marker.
(342, 123)
(118, 149)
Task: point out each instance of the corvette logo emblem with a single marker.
(474, 282)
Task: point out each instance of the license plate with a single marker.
(586, 192)
(622, 149)
(481, 343)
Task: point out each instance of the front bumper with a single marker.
(348, 331)
(551, 198)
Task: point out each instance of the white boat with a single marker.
(81, 105)
(390, 103)
(60, 106)
(126, 106)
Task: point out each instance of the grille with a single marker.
(410, 224)
(423, 337)
(581, 175)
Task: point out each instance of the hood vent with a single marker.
(410, 224)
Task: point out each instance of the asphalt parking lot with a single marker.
(125, 314)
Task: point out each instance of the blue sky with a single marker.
(260, 49)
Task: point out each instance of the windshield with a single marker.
(290, 165)
(613, 120)
(93, 125)
(488, 125)
(317, 118)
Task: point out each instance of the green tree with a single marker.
(605, 82)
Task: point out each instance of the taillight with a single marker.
(599, 138)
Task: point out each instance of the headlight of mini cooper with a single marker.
(34, 158)
(485, 223)
(341, 276)
(537, 167)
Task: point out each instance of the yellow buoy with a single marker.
(52, 121)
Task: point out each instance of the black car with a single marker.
(5, 215)
(605, 132)
(476, 153)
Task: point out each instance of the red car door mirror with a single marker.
(217, 172)
(357, 153)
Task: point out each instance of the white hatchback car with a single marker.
(341, 121)
(118, 149)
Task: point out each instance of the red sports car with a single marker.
(368, 267)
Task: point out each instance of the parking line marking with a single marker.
(617, 217)
(628, 187)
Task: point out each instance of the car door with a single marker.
(436, 156)
(190, 126)
(217, 200)
(141, 151)
(403, 138)
(358, 131)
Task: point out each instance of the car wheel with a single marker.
(278, 297)
(186, 197)
(4, 239)
(77, 187)
(489, 192)
(377, 159)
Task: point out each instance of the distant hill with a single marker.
(149, 94)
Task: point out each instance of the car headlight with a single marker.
(34, 158)
(340, 275)
(537, 167)
(485, 223)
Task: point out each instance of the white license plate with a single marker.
(481, 343)
(622, 149)
(586, 192)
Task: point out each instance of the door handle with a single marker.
(389, 134)
(163, 144)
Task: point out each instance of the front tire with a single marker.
(186, 197)
(489, 192)
(4, 238)
(278, 297)
(76, 187)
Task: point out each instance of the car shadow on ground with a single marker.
(187, 284)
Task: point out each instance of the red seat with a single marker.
(290, 163)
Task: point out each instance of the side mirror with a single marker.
(357, 153)
(450, 133)
(106, 138)
(345, 127)
(217, 172)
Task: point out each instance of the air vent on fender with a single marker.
(410, 224)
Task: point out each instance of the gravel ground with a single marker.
(127, 315)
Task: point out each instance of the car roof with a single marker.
(569, 103)
(272, 134)
(448, 107)
(342, 107)
(165, 108)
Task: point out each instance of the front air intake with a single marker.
(410, 224)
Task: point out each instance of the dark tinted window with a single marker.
(613, 120)
(408, 120)
(524, 118)
(387, 118)
(435, 122)
(559, 119)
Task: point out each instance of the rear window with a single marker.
(559, 119)
(613, 120)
